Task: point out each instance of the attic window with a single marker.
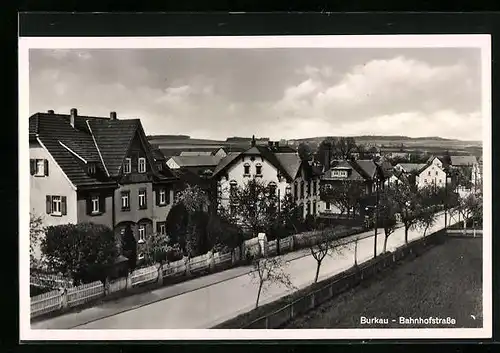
(142, 165)
(91, 169)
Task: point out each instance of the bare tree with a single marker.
(426, 219)
(326, 244)
(268, 271)
(468, 206)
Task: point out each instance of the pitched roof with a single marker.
(52, 129)
(291, 162)
(113, 138)
(354, 174)
(196, 161)
(102, 141)
(224, 162)
(463, 160)
(196, 153)
(366, 167)
(411, 167)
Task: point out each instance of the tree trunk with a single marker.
(356, 253)
(318, 265)
(406, 234)
(385, 244)
(258, 295)
(425, 230)
(465, 225)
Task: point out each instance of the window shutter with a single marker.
(158, 227)
(64, 210)
(48, 204)
(167, 195)
(145, 198)
(89, 205)
(46, 167)
(157, 196)
(32, 166)
(102, 203)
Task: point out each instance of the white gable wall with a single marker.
(432, 175)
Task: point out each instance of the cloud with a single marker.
(396, 95)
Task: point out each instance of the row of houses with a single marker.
(104, 170)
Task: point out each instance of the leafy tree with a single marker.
(345, 195)
(387, 217)
(251, 207)
(326, 149)
(36, 236)
(305, 151)
(83, 251)
(345, 147)
(407, 202)
(326, 245)
(268, 271)
(469, 206)
(426, 219)
(156, 249)
(129, 247)
(177, 223)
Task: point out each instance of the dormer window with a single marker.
(246, 169)
(142, 165)
(127, 166)
(91, 168)
(258, 169)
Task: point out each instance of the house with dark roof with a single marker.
(100, 170)
(468, 167)
(272, 165)
(365, 172)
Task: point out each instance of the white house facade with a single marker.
(433, 175)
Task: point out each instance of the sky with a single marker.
(276, 93)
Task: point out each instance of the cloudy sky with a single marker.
(275, 93)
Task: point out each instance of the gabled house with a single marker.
(468, 166)
(271, 165)
(432, 174)
(100, 170)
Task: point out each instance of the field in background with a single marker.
(444, 282)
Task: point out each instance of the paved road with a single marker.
(210, 305)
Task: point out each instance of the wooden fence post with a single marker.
(64, 297)
(129, 281)
(312, 300)
(160, 274)
(187, 263)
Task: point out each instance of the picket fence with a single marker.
(73, 296)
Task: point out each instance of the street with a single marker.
(212, 304)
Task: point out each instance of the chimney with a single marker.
(72, 117)
(253, 140)
(50, 111)
(112, 116)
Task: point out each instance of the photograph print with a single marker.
(183, 189)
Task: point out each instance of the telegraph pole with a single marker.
(376, 221)
(445, 200)
(278, 233)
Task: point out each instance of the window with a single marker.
(56, 205)
(233, 188)
(429, 173)
(437, 172)
(163, 197)
(95, 204)
(142, 165)
(246, 168)
(440, 181)
(160, 228)
(127, 166)
(272, 188)
(91, 168)
(314, 207)
(335, 173)
(288, 189)
(425, 181)
(343, 173)
(39, 167)
(301, 189)
(126, 201)
(143, 203)
(142, 233)
(328, 205)
(314, 188)
(258, 169)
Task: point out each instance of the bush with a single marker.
(174, 253)
(83, 251)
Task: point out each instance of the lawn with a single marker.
(445, 281)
